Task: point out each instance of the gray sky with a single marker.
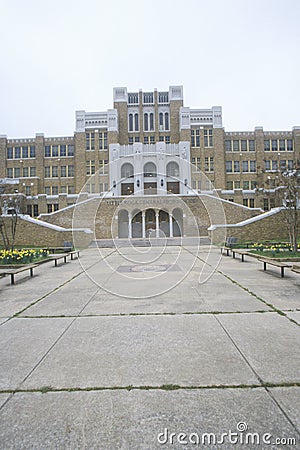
(59, 56)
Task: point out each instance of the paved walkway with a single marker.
(126, 346)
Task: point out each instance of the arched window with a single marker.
(161, 120)
(150, 169)
(130, 122)
(151, 121)
(136, 122)
(127, 170)
(172, 169)
(167, 121)
(145, 122)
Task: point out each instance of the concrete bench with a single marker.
(281, 265)
(239, 252)
(295, 268)
(57, 257)
(13, 272)
(74, 253)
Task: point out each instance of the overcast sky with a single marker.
(60, 56)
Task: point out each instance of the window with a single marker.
(127, 170)
(151, 121)
(48, 190)
(249, 202)
(209, 164)
(246, 185)
(70, 150)
(63, 189)
(251, 145)
(24, 152)
(245, 166)
(148, 97)
(32, 171)
(252, 166)
(152, 139)
(103, 166)
(146, 139)
(71, 189)
(196, 164)
(9, 172)
(90, 167)
(228, 146)
(137, 139)
(167, 125)
(136, 122)
(10, 153)
(172, 169)
(35, 210)
(266, 204)
(236, 145)
(17, 152)
(271, 165)
(274, 145)
(17, 172)
(150, 170)
(289, 145)
(130, 140)
(208, 138)
(145, 122)
(163, 97)
(25, 172)
(47, 151)
(54, 171)
(229, 185)
(236, 166)
(70, 171)
(63, 171)
(32, 151)
(55, 151)
(228, 166)
(63, 150)
(267, 146)
(243, 145)
(54, 190)
(130, 120)
(281, 145)
(103, 140)
(195, 138)
(90, 141)
(47, 171)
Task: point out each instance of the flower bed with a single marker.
(23, 256)
(276, 251)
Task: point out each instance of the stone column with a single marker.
(157, 223)
(143, 224)
(171, 224)
(129, 225)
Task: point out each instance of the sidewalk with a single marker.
(124, 347)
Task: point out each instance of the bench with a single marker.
(74, 253)
(282, 265)
(13, 272)
(239, 252)
(55, 258)
(226, 249)
(295, 268)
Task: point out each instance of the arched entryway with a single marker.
(137, 224)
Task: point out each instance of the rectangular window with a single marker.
(290, 164)
(274, 145)
(274, 165)
(268, 165)
(63, 171)
(236, 145)
(152, 139)
(209, 164)
(71, 189)
(281, 145)
(146, 139)
(32, 151)
(245, 166)
(63, 189)
(236, 166)
(228, 146)
(243, 145)
(35, 210)
(10, 172)
(17, 172)
(54, 190)
(228, 166)
(195, 137)
(103, 166)
(49, 208)
(32, 171)
(47, 151)
(10, 153)
(253, 184)
(47, 190)
(136, 139)
(17, 152)
(252, 166)
(246, 185)
(90, 167)
(130, 140)
(47, 171)
(63, 150)
(237, 185)
(266, 204)
(54, 171)
(208, 138)
(289, 145)
(70, 150)
(251, 145)
(229, 185)
(90, 141)
(25, 172)
(24, 152)
(71, 173)
(267, 145)
(103, 140)
(167, 139)
(54, 151)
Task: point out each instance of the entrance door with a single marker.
(150, 188)
(127, 188)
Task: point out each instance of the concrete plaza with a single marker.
(125, 346)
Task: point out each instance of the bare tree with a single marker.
(289, 196)
(11, 205)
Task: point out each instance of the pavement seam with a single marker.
(164, 387)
